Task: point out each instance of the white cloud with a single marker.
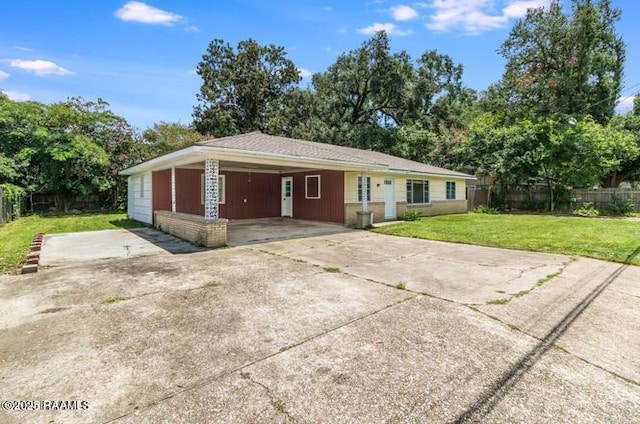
(403, 13)
(40, 67)
(518, 9)
(192, 28)
(17, 97)
(305, 73)
(135, 11)
(388, 27)
(476, 16)
(3, 75)
(23, 49)
(624, 104)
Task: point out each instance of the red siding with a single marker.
(330, 205)
(188, 191)
(251, 195)
(161, 187)
(261, 191)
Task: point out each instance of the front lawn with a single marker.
(16, 236)
(602, 238)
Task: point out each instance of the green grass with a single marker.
(115, 299)
(602, 238)
(498, 302)
(16, 236)
(332, 269)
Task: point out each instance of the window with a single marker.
(360, 189)
(141, 186)
(417, 191)
(221, 190)
(312, 186)
(451, 190)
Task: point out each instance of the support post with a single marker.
(211, 189)
(365, 201)
(365, 218)
(173, 189)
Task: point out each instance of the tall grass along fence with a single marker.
(537, 198)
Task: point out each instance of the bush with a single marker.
(587, 209)
(13, 195)
(411, 215)
(619, 208)
(485, 209)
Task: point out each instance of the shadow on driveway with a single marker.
(497, 391)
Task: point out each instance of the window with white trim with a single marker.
(451, 190)
(417, 192)
(360, 188)
(312, 186)
(221, 190)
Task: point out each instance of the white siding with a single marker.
(139, 202)
(351, 187)
(437, 187)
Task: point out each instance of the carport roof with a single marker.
(256, 145)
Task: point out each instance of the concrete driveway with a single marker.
(315, 330)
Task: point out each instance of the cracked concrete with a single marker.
(262, 334)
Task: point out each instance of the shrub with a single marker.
(619, 208)
(587, 209)
(485, 209)
(411, 215)
(13, 195)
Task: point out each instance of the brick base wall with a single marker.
(193, 228)
(351, 212)
(441, 207)
(436, 207)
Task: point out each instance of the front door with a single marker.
(389, 200)
(287, 197)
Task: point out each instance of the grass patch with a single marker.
(115, 299)
(331, 269)
(401, 285)
(522, 293)
(16, 236)
(547, 278)
(610, 239)
(498, 302)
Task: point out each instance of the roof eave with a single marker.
(431, 174)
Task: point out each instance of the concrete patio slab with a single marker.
(72, 248)
(242, 232)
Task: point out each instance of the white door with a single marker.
(287, 197)
(389, 200)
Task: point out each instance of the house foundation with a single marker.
(193, 228)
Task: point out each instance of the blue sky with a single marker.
(140, 56)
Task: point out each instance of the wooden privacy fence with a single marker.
(602, 197)
(538, 198)
(6, 208)
(478, 196)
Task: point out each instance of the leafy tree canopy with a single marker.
(565, 63)
(239, 85)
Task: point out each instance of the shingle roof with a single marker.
(264, 143)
